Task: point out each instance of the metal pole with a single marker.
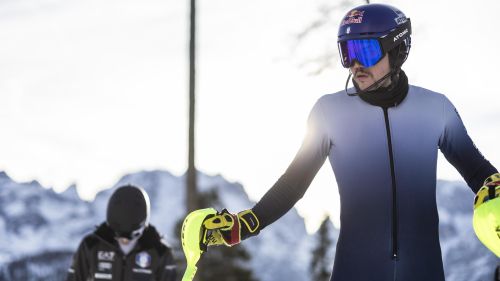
(191, 193)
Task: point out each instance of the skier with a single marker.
(125, 247)
(381, 138)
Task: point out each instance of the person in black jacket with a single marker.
(125, 247)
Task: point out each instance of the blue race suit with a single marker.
(384, 160)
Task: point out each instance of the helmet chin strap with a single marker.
(372, 86)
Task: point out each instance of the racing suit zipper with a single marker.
(394, 191)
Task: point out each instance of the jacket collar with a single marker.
(149, 239)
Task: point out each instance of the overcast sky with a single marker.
(95, 89)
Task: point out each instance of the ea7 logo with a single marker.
(400, 35)
(105, 256)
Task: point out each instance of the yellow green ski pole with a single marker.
(191, 236)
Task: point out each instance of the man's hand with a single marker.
(229, 229)
(489, 191)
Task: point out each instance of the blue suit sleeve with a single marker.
(460, 150)
(292, 185)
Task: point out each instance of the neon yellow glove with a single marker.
(486, 220)
(229, 229)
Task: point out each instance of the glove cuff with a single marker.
(250, 225)
(489, 191)
(492, 178)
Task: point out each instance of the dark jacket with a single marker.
(99, 257)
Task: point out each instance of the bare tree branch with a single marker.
(323, 61)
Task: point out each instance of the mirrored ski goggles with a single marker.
(370, 51)
(367, 52)
(130, 235)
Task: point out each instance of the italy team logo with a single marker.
(143, 259)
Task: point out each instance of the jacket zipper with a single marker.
(394, 191)
(124, 264)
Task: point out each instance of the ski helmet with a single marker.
(486, 219)
(368, 32)
(128, 211)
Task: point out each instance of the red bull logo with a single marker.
(356, 13)
(353, 16)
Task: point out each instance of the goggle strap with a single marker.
(395, 37)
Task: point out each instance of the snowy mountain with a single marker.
(40, 228)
